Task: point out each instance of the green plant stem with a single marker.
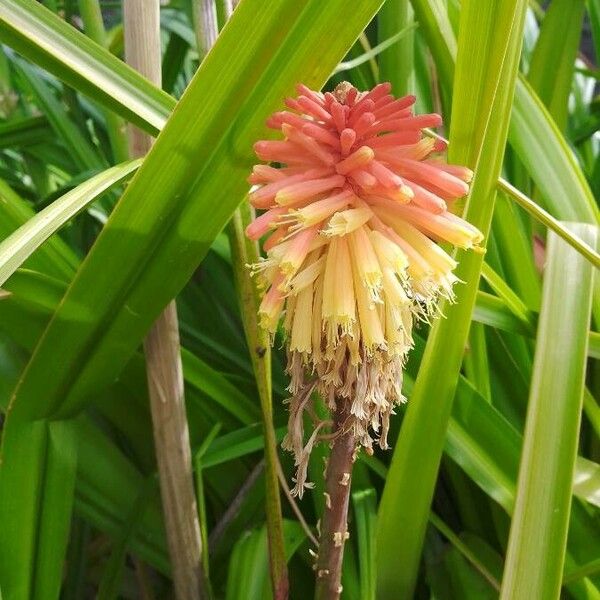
(544, 217)
(334, 522)
(163, 356)
(244, 251)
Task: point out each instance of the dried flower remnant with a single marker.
(354, 213)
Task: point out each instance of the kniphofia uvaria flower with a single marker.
(354, 212)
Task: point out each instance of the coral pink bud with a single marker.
(338, 114)
(347, 139)
(379, 91)
(297, 192)
(363, 123)
(262, 224)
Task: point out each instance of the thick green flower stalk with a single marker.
(353, 211)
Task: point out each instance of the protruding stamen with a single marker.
(346, 221)
(318, 211)
(297, 251)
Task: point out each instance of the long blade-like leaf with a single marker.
(538, 536)
(17, 247)
(548, 159)
(36, 498)
(534, 136)
(189, 184)
(44, 38)
(478, 127)
(54, 258)
(77, 144)
(552, 65)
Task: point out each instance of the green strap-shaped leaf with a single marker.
(552, 65)
(538, 535)
(532, 133)
(487, 62)
(184, 193)
(47, 40)
(397, 63)
(24, 131)
(543, 150)
(54, 258)
(36, 498)
(78, 146)
(365, 511)
(107, 484)
(180, 199)
(18, 246)
(487, 447)
(248, 576)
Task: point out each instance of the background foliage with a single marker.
(501, 380)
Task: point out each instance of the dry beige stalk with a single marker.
(163, 358)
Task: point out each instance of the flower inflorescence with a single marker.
(354, 212)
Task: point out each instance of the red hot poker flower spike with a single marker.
(353, 217)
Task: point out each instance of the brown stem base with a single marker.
(173, 455)
(334, 524)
